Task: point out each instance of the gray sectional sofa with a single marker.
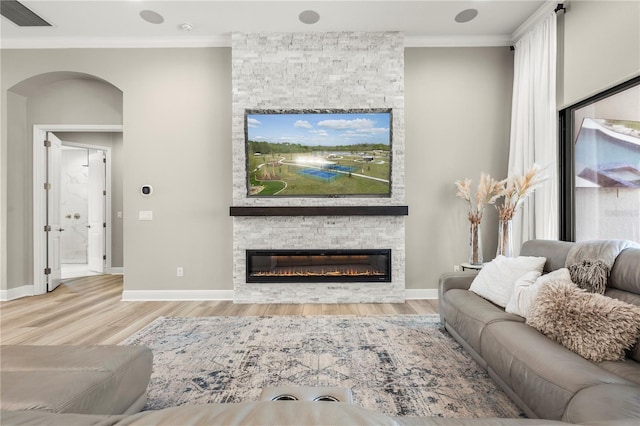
(542, 377)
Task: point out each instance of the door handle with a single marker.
(61, 229)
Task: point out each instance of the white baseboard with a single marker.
(185, 295)
(195, 295)
(176, 295)
(117, 270)
(426, 293)
(17, 293)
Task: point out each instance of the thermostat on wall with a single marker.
(146, 190)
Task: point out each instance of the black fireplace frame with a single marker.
(250, 279)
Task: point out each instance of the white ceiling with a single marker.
(117, 23)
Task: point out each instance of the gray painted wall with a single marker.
(17, 238)
(458, 112)
(65, 99)
(177, 115)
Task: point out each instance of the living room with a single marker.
(187, 97)
(179, 135)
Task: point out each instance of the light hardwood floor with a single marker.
(90, 311)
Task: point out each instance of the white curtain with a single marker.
(534, 130)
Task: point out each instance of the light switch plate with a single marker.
(145, 215)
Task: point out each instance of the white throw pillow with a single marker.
(526, 290)
(496, 279)
(519, 292)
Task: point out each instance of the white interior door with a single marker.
(54, 217)
(96, 212)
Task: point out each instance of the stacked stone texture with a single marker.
(302, 71)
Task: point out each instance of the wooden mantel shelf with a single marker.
(321, 211)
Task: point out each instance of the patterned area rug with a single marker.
(398, 365)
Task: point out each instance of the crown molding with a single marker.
(115, 43)
(543, 11)
(457, 41)
(225, 41)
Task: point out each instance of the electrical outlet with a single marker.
(456, 268)
(145, 215)
(180, 271)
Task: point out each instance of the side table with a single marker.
(466, 265)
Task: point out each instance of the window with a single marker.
(600, 166)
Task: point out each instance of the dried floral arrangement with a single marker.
(513, 192)
(488, 191)
(516, 189)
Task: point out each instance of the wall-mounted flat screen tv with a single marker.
(318, 153)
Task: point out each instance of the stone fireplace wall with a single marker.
(326, 71)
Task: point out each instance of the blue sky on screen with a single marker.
(320, 129)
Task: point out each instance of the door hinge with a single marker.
(104, 160)
(47, 186)
(47, 271)
(47, 144)
(47, 228)
(104, 192)
(104, 224)
(104, 257)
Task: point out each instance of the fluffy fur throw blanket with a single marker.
(590, 262)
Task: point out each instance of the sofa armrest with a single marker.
(451, 280)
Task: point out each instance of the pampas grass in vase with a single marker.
(488, 191)
(513, 192)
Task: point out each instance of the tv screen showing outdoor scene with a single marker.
(319, 153)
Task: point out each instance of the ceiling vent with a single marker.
(20, 15)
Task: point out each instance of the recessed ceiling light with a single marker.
(151, 17)
(309, 17)
(466, 15)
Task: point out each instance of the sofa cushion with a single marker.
(594, 326)
(555, 252)
(75, 379)
(262, 413)
(611, 403)
(469, 314)
(634, 299)
(540, 371)
(496, 279)
(625, 273)
(45, 418)
(627, 369)
(87, 392)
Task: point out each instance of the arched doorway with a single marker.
(54, 102)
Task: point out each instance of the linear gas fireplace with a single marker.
(299, 266)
